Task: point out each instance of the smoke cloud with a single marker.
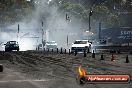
(54, 21)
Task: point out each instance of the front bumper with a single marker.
(51, 47)
(78, 49)
(12, 48)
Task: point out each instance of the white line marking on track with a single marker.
(43, 80)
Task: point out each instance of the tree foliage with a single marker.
(13, 11)
(101, 13)
(105, 11)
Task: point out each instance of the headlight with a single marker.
(73, 48)
(16, 45)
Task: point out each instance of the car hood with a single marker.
(79, 45)
(52, 44)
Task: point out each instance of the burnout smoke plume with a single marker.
(53, 20)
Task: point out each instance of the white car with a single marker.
(80, 46)
(51, 45)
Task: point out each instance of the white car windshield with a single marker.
(51, 42)
(13, 42)
(80, 42)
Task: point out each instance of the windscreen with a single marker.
(80, 42)
(13, 42)
(51, 42)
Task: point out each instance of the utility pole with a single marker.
(99, 34)
(42, 34)
(67, 40)
(90, 14)
(18, 32)
(67, 20)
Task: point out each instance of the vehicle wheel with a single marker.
(6, 50)
(9, 50)
(72, 52)
(1, 68)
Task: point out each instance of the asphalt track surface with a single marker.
(38, 69)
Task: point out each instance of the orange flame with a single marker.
(81, 71)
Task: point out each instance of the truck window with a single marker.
(80, 42)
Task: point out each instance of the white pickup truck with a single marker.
(51, 45)
(80, 46)
(48, 45)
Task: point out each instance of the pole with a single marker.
(18, 32)
(89, 23)
(67, 19)
(99, 35)
(42, 35)
(67, 40)
(90, 14)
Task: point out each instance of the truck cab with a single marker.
(80, 46)
(51, 45)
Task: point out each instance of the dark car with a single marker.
(11, 45)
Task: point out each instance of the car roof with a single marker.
(81, 40)
(50, 41)
(12, 41)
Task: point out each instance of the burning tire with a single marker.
(81, 80)
(81, 77)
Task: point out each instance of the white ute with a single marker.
(51, 45)
(80, 46)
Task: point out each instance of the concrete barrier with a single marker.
(65, 51)
(93, 54)
(127, 60)
(84, 52)
(57, 50)
(1, 68)
(61, 52)
(102, 57)
(75, 52)
(69, 52)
